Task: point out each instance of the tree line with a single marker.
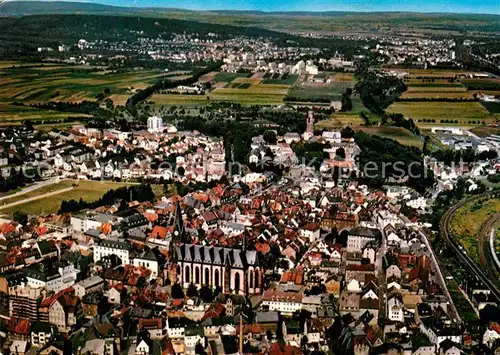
(139, 193)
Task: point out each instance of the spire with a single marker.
(179, 231)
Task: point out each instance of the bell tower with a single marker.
(309, 133)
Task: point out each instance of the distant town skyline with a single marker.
(446, 6)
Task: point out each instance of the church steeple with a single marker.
(179, 230)
(179, 235)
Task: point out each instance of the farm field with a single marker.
(420, 89)
(463, 112)
(245, 90)
(492, 107)
(399, 134)
(333, 91)
(438, 73)
(467, 223)
(482, 84)
(67, 83)
(436, 94)
(87, 190)
(282, 80)
(228, 77)
(340, 120)
(11, 114)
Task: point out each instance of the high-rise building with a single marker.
(155, 124)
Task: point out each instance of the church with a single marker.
(233, 270)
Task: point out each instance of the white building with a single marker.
(395, 309)
(109, 247)
(88, 285)
(155, 124)
(284, 302)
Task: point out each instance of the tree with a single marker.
(177, 292)
(206, 294)
(490, 313)
(192, 291)
(20, 217)
(28, 124)
(346, 103)
(270, 137)
(347, 132)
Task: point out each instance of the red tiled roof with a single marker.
(159, 232)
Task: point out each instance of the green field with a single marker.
(467, 222)
(247, 91)
(463, 112)
(11, 114)
(332, 92)
(492, 107)
(482, 84)
(73, 84)
(228, 77)
(87, 190)
(289, 80)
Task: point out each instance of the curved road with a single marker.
(466, 260)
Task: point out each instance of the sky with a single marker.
(458, 6)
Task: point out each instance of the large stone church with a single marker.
(233, 270)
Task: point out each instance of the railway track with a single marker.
(445, 232)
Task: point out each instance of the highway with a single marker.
(471, 266)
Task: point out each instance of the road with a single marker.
(466, 261)
(381, 276)
(34, 198)
(439, 275)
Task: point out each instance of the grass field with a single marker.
(228, 77)
(332, 91)
(492, 107)
(460, 111)
(11, 114)
(467, 223)
(245, 90)
(482, 84)
(340, 120)
(87, 190)
(289, 80)
(399, 134)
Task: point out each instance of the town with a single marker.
(227, 183)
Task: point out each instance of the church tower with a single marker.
(179, 236)
(309, 133)
(179, 230)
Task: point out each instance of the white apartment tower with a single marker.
(155, 124)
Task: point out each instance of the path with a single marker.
(34, 198)
(31, 188)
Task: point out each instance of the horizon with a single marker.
(313, 6)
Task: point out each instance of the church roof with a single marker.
(216, 255)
